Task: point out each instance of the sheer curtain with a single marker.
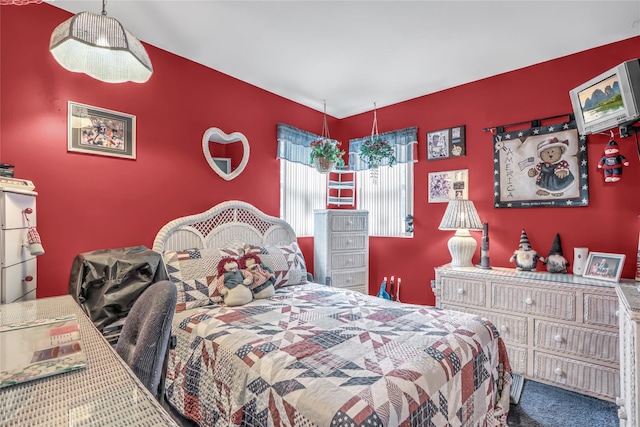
(302, 188)
(389, 198)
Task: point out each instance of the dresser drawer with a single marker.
(470, 292)
(576, 375)
(521, 299)
(512, 329)
(601, 310)
(591, 343)
(14, 250)
(14, 285)
(349, 279)
(348, 242)
(14, 207)
(348, 260)
(349, 222)
(517, 358)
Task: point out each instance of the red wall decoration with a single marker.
(89, 202)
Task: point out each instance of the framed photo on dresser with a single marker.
(603, 266)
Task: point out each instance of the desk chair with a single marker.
(145, 336)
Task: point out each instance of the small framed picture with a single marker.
(447, 185)
(604, 266)
(96, 130)
(446, 143)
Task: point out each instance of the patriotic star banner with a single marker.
(544, 166)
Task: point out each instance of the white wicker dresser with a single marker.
(629, 407)
(18, 278)
(341, 248)
(559, 329)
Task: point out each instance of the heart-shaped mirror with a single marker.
(226, 154)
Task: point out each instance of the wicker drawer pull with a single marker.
(617, 313)
(558, 371)
(504, 328)
(460, 291)
(558, 338)
(528, 301)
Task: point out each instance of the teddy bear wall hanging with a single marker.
(612, 162)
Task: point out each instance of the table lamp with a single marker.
(461, 216)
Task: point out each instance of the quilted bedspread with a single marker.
(319, 356)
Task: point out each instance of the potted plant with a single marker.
(326, 154)
(375, 150)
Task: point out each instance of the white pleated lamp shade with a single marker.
(100, 47)
(461, 216)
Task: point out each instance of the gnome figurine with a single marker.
(556, 263)
(525, 258)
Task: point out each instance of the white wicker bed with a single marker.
(316, 355)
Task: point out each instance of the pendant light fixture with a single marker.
(101, 47)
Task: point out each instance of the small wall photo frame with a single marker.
(446, 143)
(100, 131)
(447, 185)
(604, 266)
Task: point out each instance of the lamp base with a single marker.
(462, 247)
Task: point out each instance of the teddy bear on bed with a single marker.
(263, 277)
(233, 283)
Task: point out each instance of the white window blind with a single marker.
(389, 199)
(302, 189)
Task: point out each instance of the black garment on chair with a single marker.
(107, 282)
(144, 339)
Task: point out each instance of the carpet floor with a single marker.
(542, 405)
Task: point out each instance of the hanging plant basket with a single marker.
(323, 164)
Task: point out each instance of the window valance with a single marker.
(295, 144)
(404, 143)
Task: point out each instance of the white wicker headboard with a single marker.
(229, 221)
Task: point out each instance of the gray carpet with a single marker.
(546, 406)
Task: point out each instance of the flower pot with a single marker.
(323, 164)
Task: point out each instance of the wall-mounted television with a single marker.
(609, 100)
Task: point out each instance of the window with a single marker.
(302, 188)
(389, 197)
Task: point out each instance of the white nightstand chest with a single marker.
(629, 407)
(18, 277)
(559, 329)
(341, 248)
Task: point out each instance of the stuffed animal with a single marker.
(612, 162)
(526, 258)
(556, 263)
(234, 283)
(263, 279)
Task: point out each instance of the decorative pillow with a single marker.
(286, 261)
(194, 272)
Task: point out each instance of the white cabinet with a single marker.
(18, 277)
(629, 407)
(341, 248)
(559, 329)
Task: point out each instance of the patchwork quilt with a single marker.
(313, 355)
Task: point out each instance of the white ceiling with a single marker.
(355, 53)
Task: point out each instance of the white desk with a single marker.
(105, 393)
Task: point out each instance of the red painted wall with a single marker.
(609, 224)
(89, 202)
